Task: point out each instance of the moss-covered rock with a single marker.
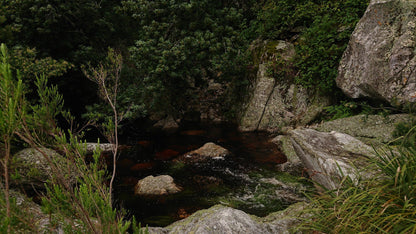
(33, 167)
(371, 129)
(380, 60)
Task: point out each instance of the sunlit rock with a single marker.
(156, 186)
(380, 61)
(328, 157)
(209, 151)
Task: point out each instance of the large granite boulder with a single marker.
(277, 102)
(328, 157)
(156, 186)
(222, 219)
(35, 168)
(380, 61)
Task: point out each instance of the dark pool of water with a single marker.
(154, 154)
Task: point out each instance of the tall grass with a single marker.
(385, 204)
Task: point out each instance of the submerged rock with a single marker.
(380, 61)
(328, 157)
(156, 186)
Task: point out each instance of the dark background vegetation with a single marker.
(171, 49)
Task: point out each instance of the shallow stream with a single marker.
(246, 180)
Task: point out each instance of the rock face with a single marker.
(156, 186)
(222, 219)
(380, 59)
(206, 152)
(34, 169)
(277, 102)
(328, 157)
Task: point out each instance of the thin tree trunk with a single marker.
(115, 148)
(6, 179)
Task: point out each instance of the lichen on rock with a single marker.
(380, 61)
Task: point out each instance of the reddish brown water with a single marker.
(152, 154)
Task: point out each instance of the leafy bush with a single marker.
(320, 31)
(181, 45)
(84, 205)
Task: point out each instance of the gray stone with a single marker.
(329, 157)
(35, 168)
(211, 150)
(277, 102)
(222, 219)
(380, 61)
(156, 186)
(207, 152)
(104, 147)
(371, 129)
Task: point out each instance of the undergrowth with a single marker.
(382, 204)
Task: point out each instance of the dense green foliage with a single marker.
(320, 31)
(181, 45)
(172, 49)
(77, 198)
(75, 30)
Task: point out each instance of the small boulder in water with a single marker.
(156, 186)
(206, 152)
